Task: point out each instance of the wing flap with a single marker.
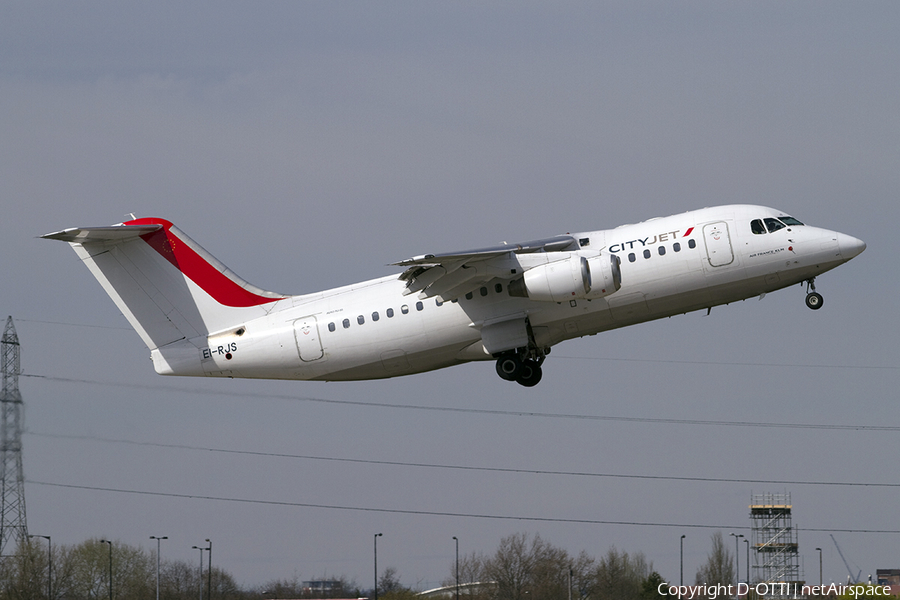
(454, 285)
(555, 244)
(452, 274)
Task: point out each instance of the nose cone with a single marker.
(850, 246)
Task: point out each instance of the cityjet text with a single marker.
(656, 239)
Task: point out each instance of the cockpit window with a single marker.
(790, 221)
(774, 225)
(757, 227)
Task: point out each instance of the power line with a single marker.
(717, 363)
(477, 411)
(433, 513)
(120, 328)
(469, 467)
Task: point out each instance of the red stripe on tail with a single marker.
(196, 268)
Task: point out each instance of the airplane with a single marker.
(509, 303)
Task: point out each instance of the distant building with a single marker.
(322, 587)
(889, 577)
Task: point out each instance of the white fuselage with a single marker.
(371, 330)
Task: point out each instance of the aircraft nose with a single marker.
(850, 246)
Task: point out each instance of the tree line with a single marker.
(523, 567)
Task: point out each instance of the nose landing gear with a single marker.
(814, 299)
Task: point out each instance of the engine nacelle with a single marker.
(570, 278)
(560, 280)
(606, 275)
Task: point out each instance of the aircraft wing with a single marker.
(453, 274)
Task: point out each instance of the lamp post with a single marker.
(49, 562)
(200, 576)
(737, 571)
(375, 592)
(110, 567)
(208, 571)
(747, 541)
(158, 539)
(457, 566)
(820, 566)
(682, 560)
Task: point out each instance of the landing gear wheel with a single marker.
(530, 374)
(814, 300)
(509, 367)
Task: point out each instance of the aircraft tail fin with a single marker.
(167, 286)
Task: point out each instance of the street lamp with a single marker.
(737, 571)
(110, 565)
(153, 537)
(820, 566)
(200, 576)
(457, 566)
(377, 535)
(747, 541)
(49, 562)
(209, 571)
(682, 560)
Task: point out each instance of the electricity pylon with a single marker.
(13, 529)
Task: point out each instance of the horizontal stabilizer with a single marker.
(113, 233)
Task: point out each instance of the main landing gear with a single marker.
(524, 370)
(814, 299)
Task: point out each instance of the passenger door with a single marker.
(718, 244)
(309, 344)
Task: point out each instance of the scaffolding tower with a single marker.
(13, 530)
(776, 556)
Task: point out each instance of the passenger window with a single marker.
(774, 224)
(346, 323)
(631, 257)
(469, 296)
(390, 313)
(646, 254)
(419, 306)
(375, 316)
(757, 227)
(692, 243)
(484, 291)
(437, 302)
(404, 309)
(331, 326)
(676, 247)
(662, 250)
(360, 319)
(498, 287)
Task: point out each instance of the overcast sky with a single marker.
(308, 145)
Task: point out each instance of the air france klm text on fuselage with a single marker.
(508, 303)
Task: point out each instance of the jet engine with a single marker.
(606, 275)
(573, 277)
